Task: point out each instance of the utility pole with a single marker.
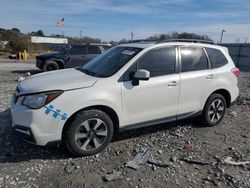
(80, 33)
(221, 36)
(132, 35)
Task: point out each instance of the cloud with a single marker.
(115, 19)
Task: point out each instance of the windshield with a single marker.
(110, 62)
(65, 48)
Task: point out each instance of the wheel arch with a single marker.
(60, 63)
(225, 93)
(108, 110)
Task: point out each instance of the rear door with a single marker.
(198, 80)
(77, 55)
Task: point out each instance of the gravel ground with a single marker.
(181, 154)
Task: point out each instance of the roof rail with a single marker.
(187, 40)
(143, 41)
(90, 43)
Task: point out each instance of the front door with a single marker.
(156, 98)
(77, 56)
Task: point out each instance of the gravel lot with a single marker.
(181, 154)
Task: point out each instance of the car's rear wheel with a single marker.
(50, 66)
(89, 133)
(214, 110)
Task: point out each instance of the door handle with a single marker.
(210, 76)
(173, 83)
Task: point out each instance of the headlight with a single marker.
(36, 101)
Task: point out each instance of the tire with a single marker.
(90, 133)
(214, 110)
(50, 66)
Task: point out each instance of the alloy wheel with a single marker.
(216, 110)
(91, 134)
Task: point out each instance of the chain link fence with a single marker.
(240, 53)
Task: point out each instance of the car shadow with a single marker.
(171, 126)
(14, 149)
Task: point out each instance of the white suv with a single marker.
(129, 86)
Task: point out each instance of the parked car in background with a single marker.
(73, 55)
(129, 86)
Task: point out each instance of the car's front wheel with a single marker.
(89, 133)
(214, 110)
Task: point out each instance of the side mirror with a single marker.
(141, 74)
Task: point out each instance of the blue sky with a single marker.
(115, 19)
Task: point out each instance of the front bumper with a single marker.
(25, 133)
(39, 63)
(36, 126)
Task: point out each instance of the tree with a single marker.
(16, 40)
(40, 33)
(123, 41)
(37, 33)
(57, 35)
(162, 37)
(18, 44)
(113, 43)
(84, 40)
(15, 30)
(176, 35)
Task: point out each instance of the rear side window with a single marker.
(193, 59)
(77, 50)
(94, 50)
(216, 57)
(159, 61)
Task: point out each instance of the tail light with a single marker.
(236, 71)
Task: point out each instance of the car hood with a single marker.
(56, 80)
(52, 54)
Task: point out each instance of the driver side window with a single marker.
(159, 62)
(77, 50)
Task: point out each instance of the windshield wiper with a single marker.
(88, 72)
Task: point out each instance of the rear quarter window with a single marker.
(216, 57)
(94, 50)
